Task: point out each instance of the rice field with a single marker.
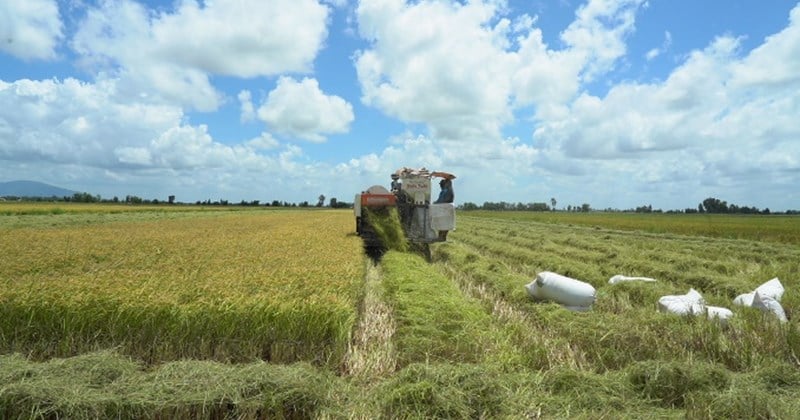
(229, 286)
(256, 313)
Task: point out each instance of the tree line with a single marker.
(710, 205)
(506, 206)
(134, 199)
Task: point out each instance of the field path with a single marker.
(371, 354)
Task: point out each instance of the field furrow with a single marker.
(624, 319)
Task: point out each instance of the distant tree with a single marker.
(276, 203)
(468, 206)
(304, 204)
(321, 201)
(715, 205)
(132, 199)
(85, 198)
(585, 207)
(539, 207)
(553, 203)
(171, 199)
(333, 202)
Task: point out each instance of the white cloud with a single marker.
(452, 66)
(248, 112)
(30, 29)
(173, 53)
(242, 38)
(720, 121)
(76, 134)
(773, 66)
(73, 122)
(263, 142)
(655, 52)
(438, 63)
(302, 110)
(598, 33)
(456, 73)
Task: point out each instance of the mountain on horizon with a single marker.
(32, 189)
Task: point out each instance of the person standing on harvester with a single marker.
(446, 195)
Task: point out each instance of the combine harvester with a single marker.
(423, 221)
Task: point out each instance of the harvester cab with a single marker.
(423, 221)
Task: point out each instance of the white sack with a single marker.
(769, 304)
(745, 299)
(574, 294)
(716, 312)
(691, 303)
(620, 278)
(773, 289)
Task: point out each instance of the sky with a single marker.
(614, 103)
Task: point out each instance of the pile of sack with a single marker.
(692, 303)
(766, 297)
(577, 295)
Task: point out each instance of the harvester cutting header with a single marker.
(423, 221)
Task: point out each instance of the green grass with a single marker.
(435, 322)
(108, 385)
(769, 228)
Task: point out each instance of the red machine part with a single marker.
(378, 200)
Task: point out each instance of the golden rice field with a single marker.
(244, 285)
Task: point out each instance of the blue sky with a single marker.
(615, 103)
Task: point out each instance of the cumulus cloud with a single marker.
(302, 110)
(248, 111)
(478, 90)
(719, 114)
(172, 53)
(438, 63)
(263, 142)
(655, 52)
(462, 69)
(74, 122)
(598, 33)
(30, 29)
(73, 131)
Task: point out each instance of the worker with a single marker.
(396, 184)
(446, 194)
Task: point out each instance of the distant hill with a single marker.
(32, 189)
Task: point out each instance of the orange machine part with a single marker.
(378, 200)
